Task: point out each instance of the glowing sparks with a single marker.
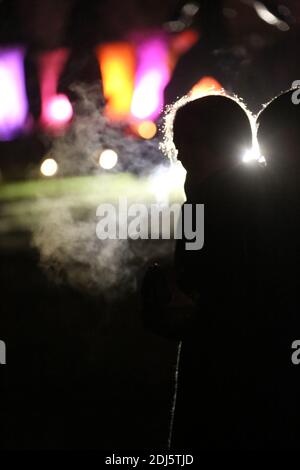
(49, 167)
(108, 159)
(152, 76)
(13, 100)
(117, 64)
(147, 129)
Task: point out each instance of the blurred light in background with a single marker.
(152, 76)
(204, 87)
(147, 129)
(180, 44)
(59, 110)
(185, 18)
(190, 9)
(56, 108)
(167, 180)
(268, 17)
(108, 159)
(117, 65)
(176, 176)
(49, 167)
(134, 78)
(13, 99)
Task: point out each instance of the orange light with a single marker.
(117, 65)
(147, 129)
(205, 86)
(180, 44)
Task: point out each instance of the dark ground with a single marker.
(81, 373)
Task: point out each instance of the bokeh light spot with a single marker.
(49, 167)
(108, 159)
(59, 110)
(147, 129)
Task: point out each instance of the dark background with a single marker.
(82, 372)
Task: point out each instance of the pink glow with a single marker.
(152, 76)
(57, 110)
(13, 99)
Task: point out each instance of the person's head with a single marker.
(279, 131)
(211, 134)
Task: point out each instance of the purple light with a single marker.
(58, 110)
(13, 99)
(152, 76)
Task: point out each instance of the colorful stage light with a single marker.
(13, 99)
(151, 78)
(205, 86)
(57, 110)
(117, 65)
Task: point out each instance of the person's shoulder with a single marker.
(248, 177)
(248, 170)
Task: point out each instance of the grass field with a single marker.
(22, 203)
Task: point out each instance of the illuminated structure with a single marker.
(57, 110)
(151, 78)
(13, 99)
(117, 65)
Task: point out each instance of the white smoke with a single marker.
(66, 233)
(78, 151)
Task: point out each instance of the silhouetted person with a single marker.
(211, 135)
(214, 398)
(217, 382)
(279, 138)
